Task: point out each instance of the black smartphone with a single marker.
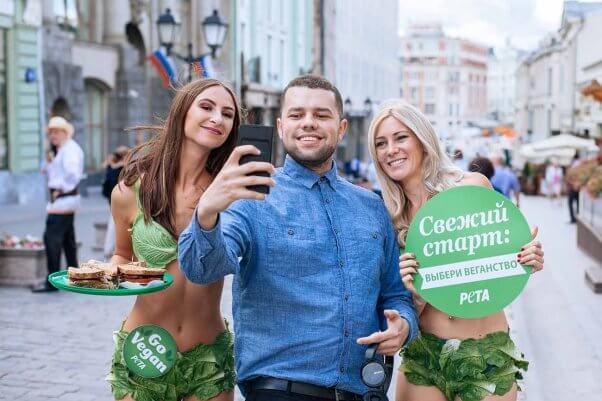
(262, 137)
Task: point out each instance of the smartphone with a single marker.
(262, 137)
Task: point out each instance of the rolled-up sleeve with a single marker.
(73, 167)
(393, 294)
(206, 256)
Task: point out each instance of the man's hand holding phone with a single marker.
(231, 184)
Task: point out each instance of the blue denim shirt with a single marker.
(319, 264)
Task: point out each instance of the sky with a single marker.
(488, 22)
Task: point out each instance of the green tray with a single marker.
(60, 281)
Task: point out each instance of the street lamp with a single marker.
(167, 28)
(214, 30)
(347, 104)
(368, 106)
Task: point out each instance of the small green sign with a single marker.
(466, 240)
(149, 351)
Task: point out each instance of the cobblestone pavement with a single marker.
(58, 346)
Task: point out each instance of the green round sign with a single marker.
(466, 240)
(149, 351)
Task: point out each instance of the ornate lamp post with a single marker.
(214, 31)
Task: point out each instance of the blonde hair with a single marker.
(438, 172)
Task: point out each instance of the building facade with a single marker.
(501, 83)
(21, 140)
(445, 77)
(547, 101)
(588, 113)
(87, 60)
(365, 70)
(273, 44)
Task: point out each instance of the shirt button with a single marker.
(341, 369)
(291, 231)
(374, 235)
(346, 333)
(346, 297)
(322, 179)
(341, 263)
(327, 200)
(336, 230)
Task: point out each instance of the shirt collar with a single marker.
(305, 176)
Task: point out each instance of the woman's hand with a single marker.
(407, 268)
(532, 253)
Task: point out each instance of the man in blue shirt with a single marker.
(504, 180)
(317, 279)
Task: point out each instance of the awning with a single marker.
(507, 132)
(566, 141)
(594, 89)
(563, 156)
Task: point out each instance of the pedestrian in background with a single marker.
(400, 131)
(554, 177)
(374, 179)
(314, 262)
(459, 160)
(483, 166)
(504, 180)
(64, 167)
(573, 191)
(113, 167)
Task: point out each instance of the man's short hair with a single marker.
(314, 82)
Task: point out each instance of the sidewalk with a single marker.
(557, 320)
(58, 346)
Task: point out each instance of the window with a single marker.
(429, 108)
(95, 135)
(413, 92)
(550, 81)
(429, 93)
(560, 81)
(281, 73)
(269, 63)
(3, 101)
(85, 27)
(66, 14)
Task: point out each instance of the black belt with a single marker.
(74, 191)
(329, 393)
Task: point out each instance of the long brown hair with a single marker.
(156, 162)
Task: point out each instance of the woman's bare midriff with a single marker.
(190, 312)
(435, 322)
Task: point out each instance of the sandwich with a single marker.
(138, 273)
(89, 276)
(111, 273)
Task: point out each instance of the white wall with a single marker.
(365, 49)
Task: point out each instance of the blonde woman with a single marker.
(412, 167)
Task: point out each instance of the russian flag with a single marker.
(164, 67)
(203, 67)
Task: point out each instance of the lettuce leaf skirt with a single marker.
(470, 369)
(204, 371)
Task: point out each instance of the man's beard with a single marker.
(317, 159)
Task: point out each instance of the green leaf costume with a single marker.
(204, 371)
(470, 369)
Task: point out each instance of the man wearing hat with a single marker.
(64, 167)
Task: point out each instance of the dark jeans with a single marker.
(60, 235)
(573, 199)
(275, 395)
